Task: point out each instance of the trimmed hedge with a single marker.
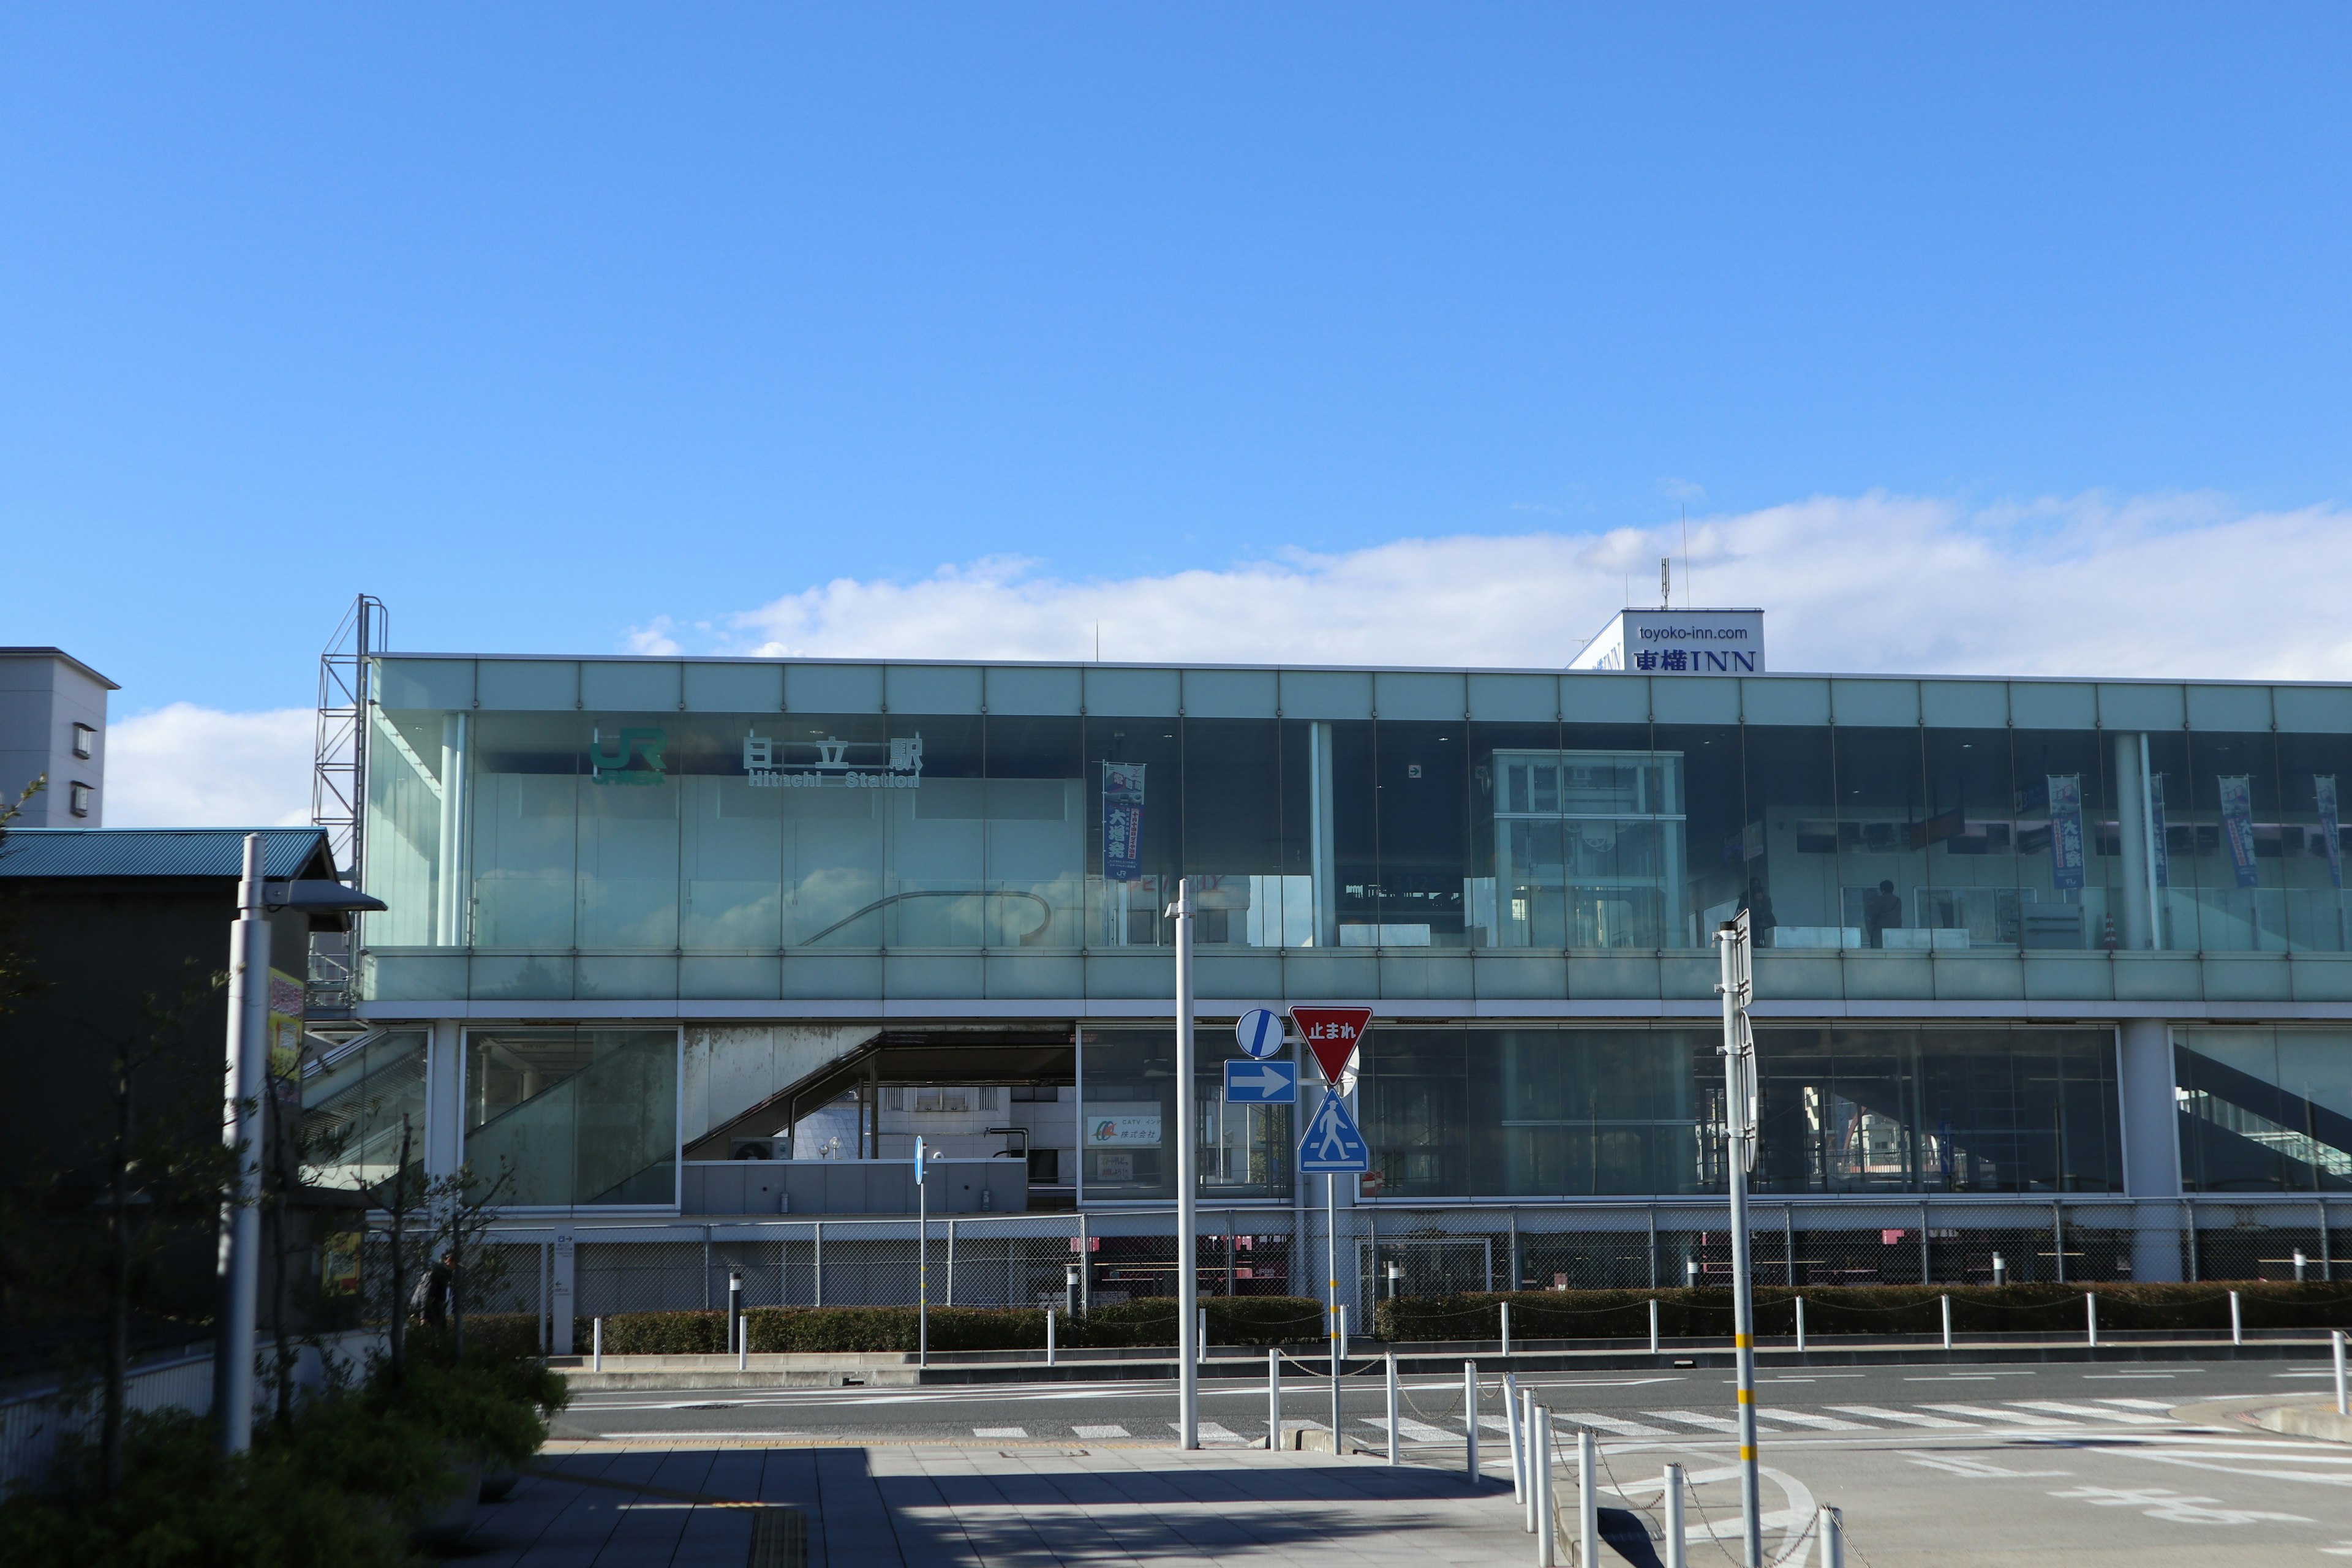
(1864, 1310)
(1233, 1319)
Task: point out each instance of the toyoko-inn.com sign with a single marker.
(1677, 642)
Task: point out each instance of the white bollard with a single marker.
(1588, 1497)
(596, 1363)
(1801, 1322)
(1677, 1543)
(1049, 1336)
(2000, 1270)
(1831, 1522)
(2091, 1318)
(2300, 1263)
(1545, 1529)
(1470, 1420)
(1653, 1325)
(1343, 1330)
(1948, 1322)
(1516, 1440)
(1201, 1339)
(1538, 1454)
(2237, 1322)
(1507, 1328)
(1394, 1457)
(1273, 1398)
(2336, 1342)
(743, 1343)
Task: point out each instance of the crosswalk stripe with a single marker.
(1879, 1413)
(2061, 1407)
(2140, 1404)
(1419, 1431)
(1804, 1419)
(1696, 1418)
(2005, 1417)
(1098, 1433)
(1495, 1424)
(1215, 1432)
(1616, 1424)
(999, 1432)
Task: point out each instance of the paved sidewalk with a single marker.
(654, 1505)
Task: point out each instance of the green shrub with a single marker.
(1233, 1319)
(2047, 1308)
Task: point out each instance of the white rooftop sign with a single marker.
(1678, 642)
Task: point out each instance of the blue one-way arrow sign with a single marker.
(1261, 1083)
(1332, 1143)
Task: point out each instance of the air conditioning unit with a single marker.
(751, 1149)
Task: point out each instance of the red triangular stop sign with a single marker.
(1332, 1033)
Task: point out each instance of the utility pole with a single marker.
(1737, 988)
(922, 1261)
(1188, 1274)
(249, 1051)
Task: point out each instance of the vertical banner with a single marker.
(2065, 830)
(2159, 838)
(1122, 821)
(2238, 824)
(2331, 839)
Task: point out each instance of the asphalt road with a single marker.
(1930, 1463)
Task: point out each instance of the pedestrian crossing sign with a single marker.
(1332, 1144)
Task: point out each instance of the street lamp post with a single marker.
(1188, 1274)
(241, 1125)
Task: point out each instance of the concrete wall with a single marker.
(43, 694)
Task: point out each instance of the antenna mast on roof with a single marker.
(1665, 581)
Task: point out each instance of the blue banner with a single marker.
(2238, 824)
(2065, 830)
(1122, 821)
(2330, 837)
(2158, 840)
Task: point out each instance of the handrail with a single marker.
(1028, 938)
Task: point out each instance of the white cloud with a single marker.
(185, 766)
(2162, 586)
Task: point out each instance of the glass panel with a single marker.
(733, 843)
(1423, 787)
(1971, 899)
(1786, 863)
(1129, 1118)
(1134, 828)
(355, 1103)
(1837, 1111)
(2239, 844)
(1233, 830)
(2265, 1110)
(1583, 1111)
(403, 826)
(1507, 902)
(2181, 839)
(526, 826)
(1882, 835)
(2314, 771)
(934, 876)
(1415, 1094)
(2018, 1111)
(1588, 845)
(2069, 844)
(1036, 845)
(1715, 849)
(573, 1117)
(1351, 865)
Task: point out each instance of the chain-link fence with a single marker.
(1102, 1257)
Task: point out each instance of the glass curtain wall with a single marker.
(356, 1104)
(1127, 1120)
(1459, 1114)
(573, 1118)
(533, 838)
(2265, 1110)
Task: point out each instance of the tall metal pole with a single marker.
(1331, 1259)
(1739, 1150)
(240, 1260)
(922, 1261)
(1188, 1273)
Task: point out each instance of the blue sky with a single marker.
(551, 325)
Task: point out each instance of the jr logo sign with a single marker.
(611, 766)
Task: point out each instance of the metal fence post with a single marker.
(596, 1355)
(1587, 1499)
(2091, 1318)
(1274, 1397)
(1677, 1543)
(2058, 1238)
(1470, 1416)
(1085, 1264)
(1512, 1437)
(1396, 1458)
(1832, 1525)
(1507, 1328)
(1789, 1242)
(816, 1266)
(1654, 1246)
(2237, 1322)
(1545, 1529)
(1530, 1446)
(1947, 1321)
(1801, 1322)
(1653, 1325)
(1927, 1273)
(952, 1230)
(2336, 1345)
(1049, 1336)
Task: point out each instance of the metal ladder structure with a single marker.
(337, 786)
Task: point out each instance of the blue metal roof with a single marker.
(160, 852)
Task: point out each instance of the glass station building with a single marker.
(2016, 937)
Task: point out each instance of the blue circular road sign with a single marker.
(1260, 1032)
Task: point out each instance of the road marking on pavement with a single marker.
(999, 1432)
(1961, 1465)
(1879, 1413)
(2062, 1407)
(1696, 1418)
(1804, 1419)
(2159, 1502)
(1098, 1433)
(1496, 1424)
(2138, 1403)
(1215, 1432)
(1616, 1424)
(1419, 1431)
(2001, 1417)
